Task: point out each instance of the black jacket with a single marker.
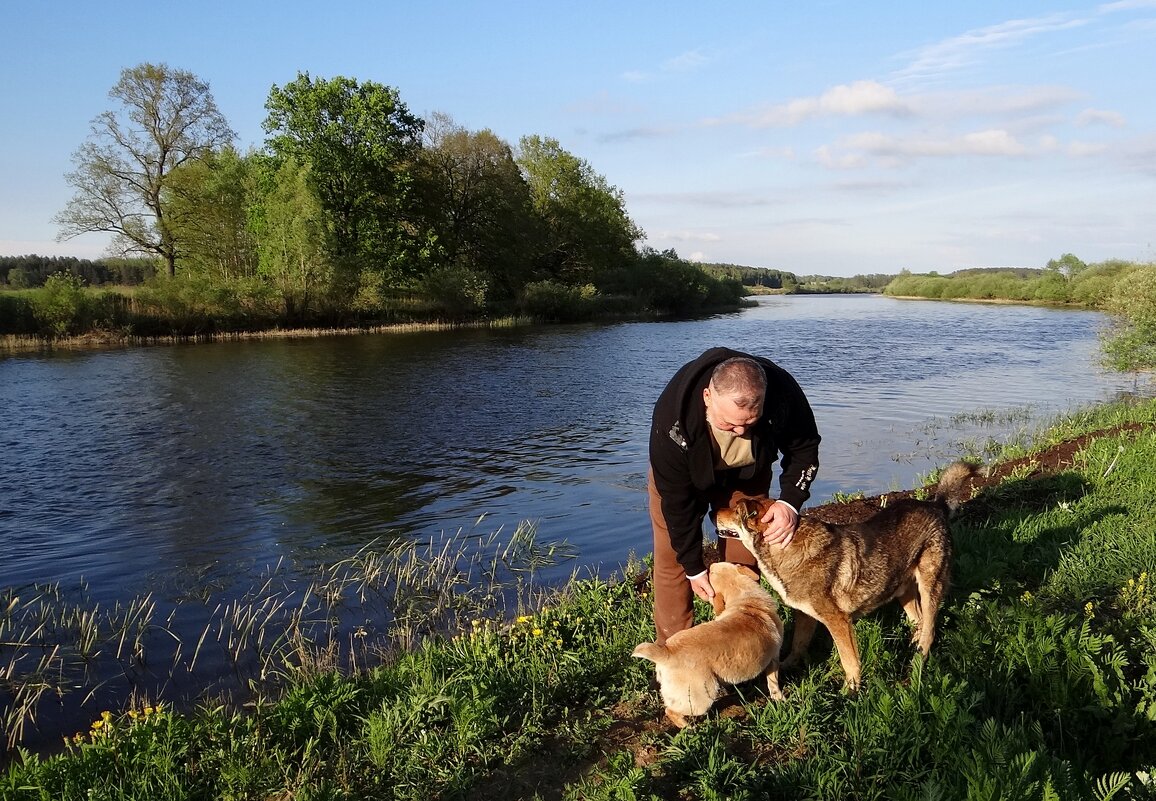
(683, 463)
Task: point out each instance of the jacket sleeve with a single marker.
(797, 438)
(680, 509)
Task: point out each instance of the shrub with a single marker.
(549, 300)
(60, 305)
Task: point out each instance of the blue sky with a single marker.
(827, 138)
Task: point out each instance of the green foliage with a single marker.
(553, 301)
(1131, 345)
(289, 224)
(59, 306)
(359, 141)
(587, 230)
(208, 207)
(477, 206)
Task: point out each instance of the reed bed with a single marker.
(57, 650)
(16, 343)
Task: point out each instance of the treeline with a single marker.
(356, 211)
(26, 272)
(1066, 280)
(762, 279)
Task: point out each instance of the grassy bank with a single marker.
(1041, 684)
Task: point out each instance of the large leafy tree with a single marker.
(590, 235)
(163, 119)
(359, 143)
(477, 204)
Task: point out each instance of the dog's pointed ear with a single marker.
(650, 650)
(749, 572)
(748, 508)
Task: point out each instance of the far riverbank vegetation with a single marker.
(356, 214)
(1041, 683)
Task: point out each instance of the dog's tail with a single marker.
(651, 650)
(955, 484)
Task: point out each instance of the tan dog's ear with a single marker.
(749, 572)
(718, 603)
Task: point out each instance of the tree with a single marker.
(589, 232)
(165, 118)
(477, 204)
(208, 209)
(290, 232)
(1067, 265)
(360, 142)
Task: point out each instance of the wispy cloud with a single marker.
(718, 200)
(1093, 116)
(684, 62)
(969, 48)
(635, 134)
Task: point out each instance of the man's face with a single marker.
(726, 415)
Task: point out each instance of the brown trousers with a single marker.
(673, 597)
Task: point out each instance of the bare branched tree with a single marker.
(165, 118)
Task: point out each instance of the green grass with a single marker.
(1041, 685)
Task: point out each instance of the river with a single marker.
(189, 471)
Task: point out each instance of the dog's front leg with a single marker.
(843, 633)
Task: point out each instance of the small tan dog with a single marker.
(740, 644)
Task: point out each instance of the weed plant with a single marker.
(1041, 685)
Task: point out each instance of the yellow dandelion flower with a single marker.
(148, 710)
(105, 715)
(475, 623)
(1026, 597)
(97, 724)
(559, 642)
(537, 632)
(132, 713)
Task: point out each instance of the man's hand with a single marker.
(780, 521)
(701, 586)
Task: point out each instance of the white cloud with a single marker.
(690, 60)
(895, 149)
(846, 100)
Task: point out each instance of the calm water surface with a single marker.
(136, 470)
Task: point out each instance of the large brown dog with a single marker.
(836, 573)
(740, 644)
